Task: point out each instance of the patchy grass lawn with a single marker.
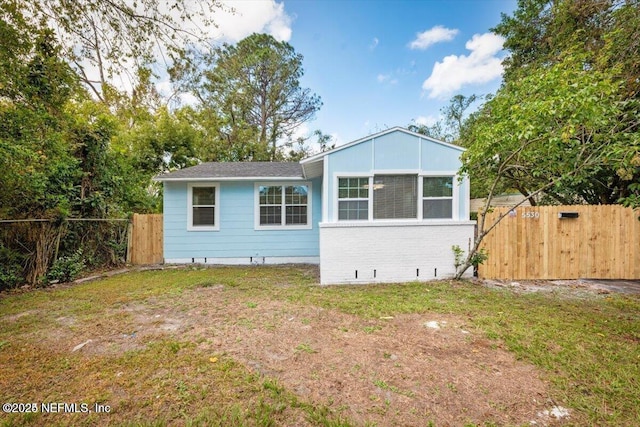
(257, 346)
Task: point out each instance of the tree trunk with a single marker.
(46, 239)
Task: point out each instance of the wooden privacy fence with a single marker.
(602, 242)
(145, 239)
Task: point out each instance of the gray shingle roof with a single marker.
(236, 170)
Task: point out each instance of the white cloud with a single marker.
(240, 19)
(481, 66)
(187, 99)
(386, 78)
(435, 35)
(301, 131)
(374, 43)
(426, 120)
(166, 90)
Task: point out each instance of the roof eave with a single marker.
(230, 178)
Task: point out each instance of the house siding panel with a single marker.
(354, 159)
(437, 157)
(396, 151)
(396, 252)
(237, 237)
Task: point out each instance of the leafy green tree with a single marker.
(621, 45)
(56, 158)
(551, 131)
(113, 181)
(455, 114)
(437, 130)
(36, 165)
(252, 91)
(606, 31)
(225, 139)
(541, 30)
(107, 39)
(605, 34)
(452, 124)
(303, 146)
(162, 142)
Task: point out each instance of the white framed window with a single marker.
(395, 196)
(203, 211)
(437, 197)
(283, 206)
(353, 199)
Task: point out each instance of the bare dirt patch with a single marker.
(578, 288)
(402, 370)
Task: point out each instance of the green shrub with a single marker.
(10, 268)
(9, 276)
(66, 268)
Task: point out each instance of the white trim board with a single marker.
(245, 260)
(230, 178)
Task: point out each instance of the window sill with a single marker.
(196, 228)
(282, 227)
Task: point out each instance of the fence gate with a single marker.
(145, 245)
(563, 242)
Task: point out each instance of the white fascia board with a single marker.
(230, 178)
(259, 260)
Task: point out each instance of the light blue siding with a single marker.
(353, 159)
(439, 158)
(237, 237)
(396, 152)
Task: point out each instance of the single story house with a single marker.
(384, 208)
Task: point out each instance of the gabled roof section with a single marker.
(236, 171)
(320, 156)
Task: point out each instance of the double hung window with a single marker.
(353, 199)
(437, 197)
(283, 206)
(203, 211)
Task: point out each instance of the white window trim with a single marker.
(216, 211)
(419, 176)
(336, 199)
(283, 226)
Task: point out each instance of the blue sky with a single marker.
(358, 57)
(379, 64)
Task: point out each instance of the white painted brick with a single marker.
(396, 251)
